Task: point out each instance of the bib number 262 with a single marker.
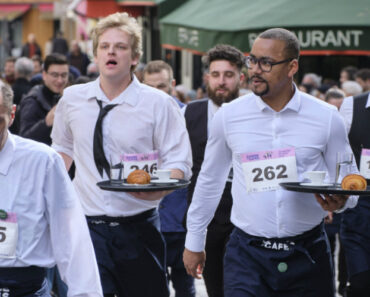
(269, 173)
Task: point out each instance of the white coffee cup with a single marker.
(162, 174)
(316, 177)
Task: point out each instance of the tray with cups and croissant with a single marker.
(141, 181)
(352, 184)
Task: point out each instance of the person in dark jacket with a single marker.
(77, 58)
(31, 48)
(59, 44)
(23, 71)
(38, 107)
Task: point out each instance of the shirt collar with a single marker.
(368, 101)
(129, 95)
(7, 154)
(293, 104)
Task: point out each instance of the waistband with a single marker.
(291, 240)
(31, 273)
(121, 220)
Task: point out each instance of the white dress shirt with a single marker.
(316, 131)
(146, 119)
(346, 110)
(52, 228)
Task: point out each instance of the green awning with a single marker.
(322, 26)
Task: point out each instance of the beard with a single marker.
(263, 92)
(218, 99)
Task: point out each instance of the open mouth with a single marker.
(111, 62)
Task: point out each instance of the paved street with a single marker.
(200, 289)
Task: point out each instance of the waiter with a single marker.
(41, 220)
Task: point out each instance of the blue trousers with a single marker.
(182, 282)
(23, 281)
(131, 254)
(299, 266)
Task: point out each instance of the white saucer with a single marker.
(164, 181)
(316, 185)
(135, 185)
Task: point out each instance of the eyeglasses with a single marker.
(55, 75)
(264, 64)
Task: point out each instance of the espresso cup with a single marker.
(162, 174)
(316, 177)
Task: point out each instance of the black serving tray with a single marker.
(297, 187)
(124, 187)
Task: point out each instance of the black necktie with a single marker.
(99, 156)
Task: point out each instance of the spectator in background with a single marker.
(139, 72)
(21, 86)
(347, 73)
(363, 78)
(37, 64)
(77, 58)
(59, 44)
(92, 71)
(351, 88)
(335, 96)
(311, 81)
(9, 70)
(31, 47)
(180, 93)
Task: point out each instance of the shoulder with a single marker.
(309, 101)
(79, 90)
(34, 150)
(198, 102)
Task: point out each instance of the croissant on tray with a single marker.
(354, 182)
(138, 177)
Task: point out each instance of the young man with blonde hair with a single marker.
(103, 120)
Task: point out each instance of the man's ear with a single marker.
(12, 114)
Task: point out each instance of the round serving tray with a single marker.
(124, 187)
(297, 187)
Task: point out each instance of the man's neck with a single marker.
(278, 101)
(113, 88)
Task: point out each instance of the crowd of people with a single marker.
(249, 127)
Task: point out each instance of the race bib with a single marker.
(8, 235)
(365, 163)
(146, 161)
(263, 171)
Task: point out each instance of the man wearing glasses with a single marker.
(38, 107)
(278, 247)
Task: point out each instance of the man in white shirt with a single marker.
(41, 219)
(278, 246)
(355, 235)
(98, 122)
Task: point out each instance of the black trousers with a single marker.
(131, 255)
(23, 281)
(213, 273)
(299, 266)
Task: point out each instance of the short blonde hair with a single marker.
(123, 22)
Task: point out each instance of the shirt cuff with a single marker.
(62, 149)
(195, 243)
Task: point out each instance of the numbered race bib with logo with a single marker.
(8, 234)
(263, 171)
(365, 163)
(144, 161)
